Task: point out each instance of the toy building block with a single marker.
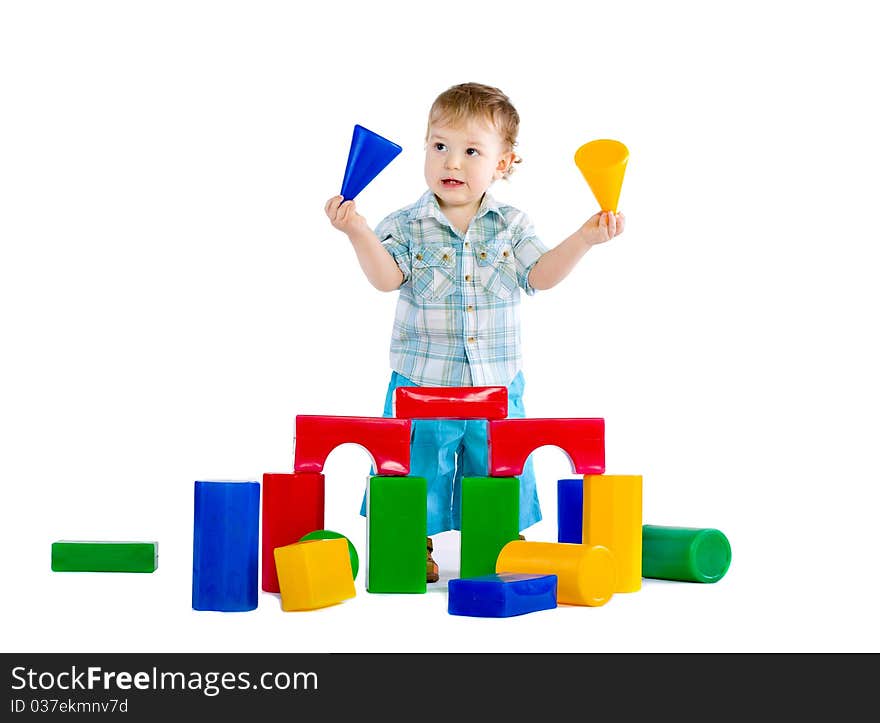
(688, 554)
(293, 504)
(450, 402)
(489, 520)
(226, 543)
(397, 529)
(501, 595)
(330, 535)
(570, 510)
(511, 441)
(386, 440)
(613, 518)
(104, 556)
(368, 155)
(586, 573)
(314, 574)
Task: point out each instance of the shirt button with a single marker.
(467, 277)
(506, 253)
(471, 339)
(470, 307)
(419, 257)
(467, 244)
(483, 254)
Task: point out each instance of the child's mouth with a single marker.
(451, 182)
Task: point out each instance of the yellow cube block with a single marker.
(314, 574)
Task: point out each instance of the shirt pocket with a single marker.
(433, 271)
(496, 268)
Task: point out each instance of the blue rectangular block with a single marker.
(570, 510)
(502, 595)
(226, 542)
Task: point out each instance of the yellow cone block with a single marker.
(585, 573)
(314, 574)
(602, 163)
(613, 519)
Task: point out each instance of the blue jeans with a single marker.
(445, 450)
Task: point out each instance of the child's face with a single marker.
(462, 161)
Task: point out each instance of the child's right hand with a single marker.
(344, 216)
(603, 226)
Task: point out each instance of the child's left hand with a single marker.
(603, 227)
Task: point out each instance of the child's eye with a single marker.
(472, 152)
(439, 146)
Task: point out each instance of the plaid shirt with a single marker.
(457, 319)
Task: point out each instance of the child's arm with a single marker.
(378, 265)
(557, 263)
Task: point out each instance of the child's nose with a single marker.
(452, 160)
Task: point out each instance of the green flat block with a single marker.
(397, 525)
(489, 520)
(97, 556)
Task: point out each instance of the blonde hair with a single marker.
(467, 101)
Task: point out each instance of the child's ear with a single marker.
(504, 163)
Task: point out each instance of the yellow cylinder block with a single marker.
(585, 573)
(613, 519)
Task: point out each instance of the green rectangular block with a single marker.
(98, 556)
(397, 528)
(489, 520)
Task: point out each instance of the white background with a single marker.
(173, 295)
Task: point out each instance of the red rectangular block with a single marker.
(450, 402)
(293, 506)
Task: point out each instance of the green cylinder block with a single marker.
(688, 554)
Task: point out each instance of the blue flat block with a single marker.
(226, 545)
(502, 595)
(570, 510)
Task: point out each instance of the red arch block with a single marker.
(386, 440)
(511, 441)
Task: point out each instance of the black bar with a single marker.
(443, 686)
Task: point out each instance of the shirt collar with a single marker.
(427, 207)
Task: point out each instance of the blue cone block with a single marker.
(501, 595)
(226, 543)
(367, 157)
(570, 510)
